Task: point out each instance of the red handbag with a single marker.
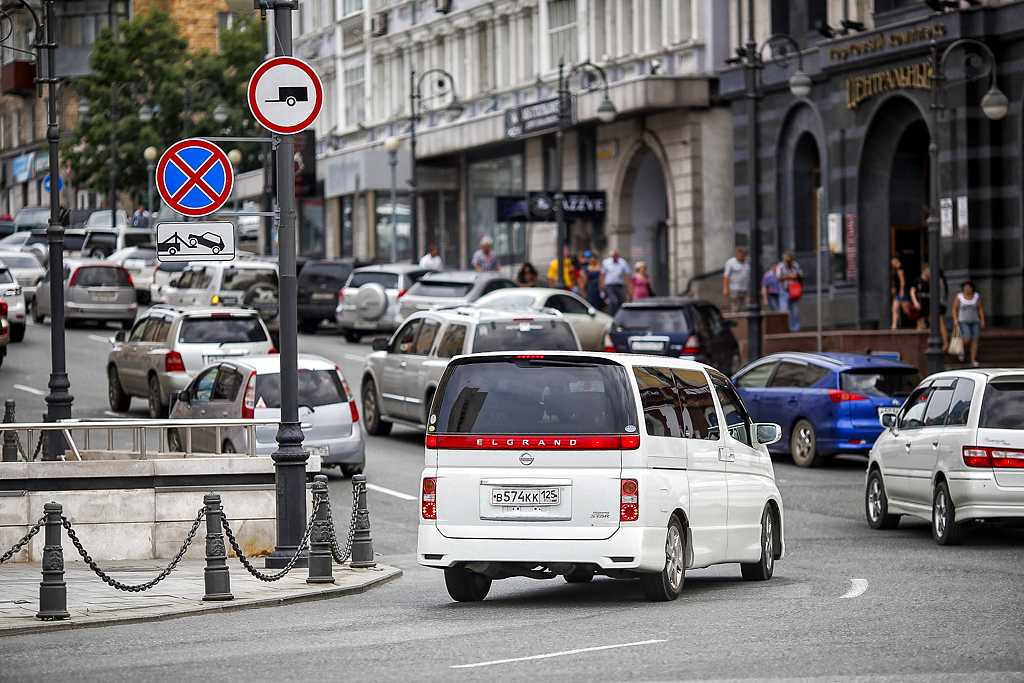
(796, 290)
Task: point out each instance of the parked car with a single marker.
(827, 403)
(369, 299)
(450, 288)
(163, 273)
(953, 455)
(38, 243)
(11, 295)
(250, 387)
(319, 286)
(32, 217)
(551, 464)
(248, 226)
(15, 241)
(168, 345)
(590, 324)
(400, 376)
(139, 262)
(6, 228)
(26, 269)
(93, 291)
(101, 219)
(675, 327)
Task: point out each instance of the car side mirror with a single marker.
(767, 433)
(120, 336)
(183, 396)
(888, 420)
(380, 344)
(714, 434)
(592, 312)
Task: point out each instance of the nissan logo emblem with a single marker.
(526, 459)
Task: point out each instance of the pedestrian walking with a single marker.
(736, 281)
(642, 288)
(591, 277)
(483, 260)
(568, 274)
(898, 290)
(615, 281)
(920, 297)
(791, 288)
(527, 276)
(970, 317)
(431, 259)
(770, 289)
(140, 219)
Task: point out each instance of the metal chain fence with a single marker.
(24, 540)
(138, 588)
(341, 556)
(248, 565)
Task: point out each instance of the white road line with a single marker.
(96, 337)
(857, 588)
(352, 356)
(31, 390)
(556, 654)
(390, 492)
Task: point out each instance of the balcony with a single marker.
(18, 78)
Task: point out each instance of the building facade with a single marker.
(847, 167)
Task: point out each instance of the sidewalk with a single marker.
(91, 602)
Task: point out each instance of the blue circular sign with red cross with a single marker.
(194, 177)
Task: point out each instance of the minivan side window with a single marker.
(402, 342)
(203, 386)
(698, 407)
(659, 399)
(756, 377)
(938, 406)
(788, 374)
(960, 406)
(425, 339)
(452, 342)
(139, 330)
(912, 416)
(736, 419)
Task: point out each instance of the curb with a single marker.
(387, 574)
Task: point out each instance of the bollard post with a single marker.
(10, 448)
(53, 592)
(362, 544)
(218, 578)
(321, 562)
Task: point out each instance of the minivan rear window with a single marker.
(890, 383)
(1002, 406)
(385, 280)
(102, 276)
(234, 330)
(536, 396)
(443, 290)
(325, 273)
(546, 335)
(241, 279)
(316, 388)
(652, 319)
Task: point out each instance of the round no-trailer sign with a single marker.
(194, 177)
(285, 95)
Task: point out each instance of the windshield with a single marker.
(101, 219)
(1002, 406)
(18, 261)
(443, 290)
(6, 277)
(333, 274)
(385, 280)
(241, 279)
(316, 388)
(890, 383)
(511, 298)
(651, 319)
(32, 218)
(537, 396)
(233, 330)
(547, 335)
(100, 276)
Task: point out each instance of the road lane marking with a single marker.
(31, 390)
(857, 588)
(390, 492)
(352, 356)
(556, 654)
(96, 337)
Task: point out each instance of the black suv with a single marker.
(318, 286)
(691, 328)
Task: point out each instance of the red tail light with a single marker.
(692, 345)
(173, 362)
(401, 293)
(609, 347)
(3, 308)
(629, 501)
(549, 442)
(131, 283)
(430, 498)
(74, 276)
(341, 295)
(431, 440)
(355, 411)
(272, 351)
(840, 396)
(981, 456)
(249, 403)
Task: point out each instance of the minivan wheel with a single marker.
(174, 444)
(763, 569)
(466, 586)
(371, 411)
(353, 337)
(803, 445)
(945, 529)
(228, 447)
(876, 504)
(37, 317)
(156, 408)
(668, 583)
(118, 400)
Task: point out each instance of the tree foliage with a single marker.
(150, 52)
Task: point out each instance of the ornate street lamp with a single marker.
(210, 90)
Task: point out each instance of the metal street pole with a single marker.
(289, 458)
(414, 216)
(114, 91)
(559, 193)
(753, 66)
(935, 356)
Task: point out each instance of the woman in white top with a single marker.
(970, 316)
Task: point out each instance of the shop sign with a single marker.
(961, 217)
(879, 42)
(946, 213)
(539, 117)
(851, 245)
(42, 163)
(540, 206)
(861, 88)
(21, 167)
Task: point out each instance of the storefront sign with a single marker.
(21, 167)
(862, 87)
(851, 245)
(540, 206)
(961, 217)
(946, 212)
(539, 117)
(835, 232)
(881, 40)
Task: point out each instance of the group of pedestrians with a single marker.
(781, 286)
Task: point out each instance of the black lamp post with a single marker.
(994, 104)
(592, 77)
(210, 89)
(441, 85)
(799, 86)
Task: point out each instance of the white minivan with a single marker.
(541, 464)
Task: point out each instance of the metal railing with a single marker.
(141, 433)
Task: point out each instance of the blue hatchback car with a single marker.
(827, 403)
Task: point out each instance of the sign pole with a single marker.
(289, 458)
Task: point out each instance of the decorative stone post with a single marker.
(218, 578)
(53, 592)
(321, 562)
(362, 544)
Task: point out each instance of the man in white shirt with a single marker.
(616, 281)
(431, 259)
(736, 281)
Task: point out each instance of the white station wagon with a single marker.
(541, 464)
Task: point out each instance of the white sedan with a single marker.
(11, 294)
(589, 323)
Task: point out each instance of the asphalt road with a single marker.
(846, 603)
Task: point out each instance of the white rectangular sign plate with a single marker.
(207, 241)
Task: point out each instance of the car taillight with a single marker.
(692, 345)
(355, 411)
(629, 501)
(840, 396)
(431, 440)
(131, 282)
(981, 456)
(609, 347)
(3, 308)
(341, 295)
(401, 293)
(74, 276)
(272, 351)
(539, 443)
(173, 362)
(249, 403)
(430, 498)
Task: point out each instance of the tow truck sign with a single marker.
(213, 241)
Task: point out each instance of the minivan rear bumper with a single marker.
(630, 547)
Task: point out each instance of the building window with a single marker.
(355, 93)
(780, 16)
(347, 226)
(562, 31)
(350, 6)
(817, 14)
(383, 225)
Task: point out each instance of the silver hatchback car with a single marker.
(251, 388)
(93, 290)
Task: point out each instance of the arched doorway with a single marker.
(908, 200)
(807, 198)
(648, 216)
